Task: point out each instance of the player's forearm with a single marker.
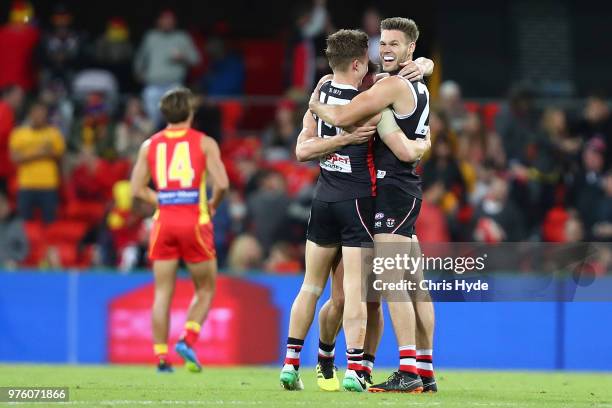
(404, 149)
(218, 194)
(314, 148)
(342, 116)
(426, 65)
(146, 194)
(414, 150)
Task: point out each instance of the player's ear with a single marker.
(411, 47)
(355, 65)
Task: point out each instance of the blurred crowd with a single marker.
(75, 108)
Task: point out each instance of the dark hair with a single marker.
(176, 105)
(405, 25)
(345, 46)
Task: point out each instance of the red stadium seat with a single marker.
(35, 232)
(231, 113)
(489, 112)
(472, 106)
(88, 211)
(66, 231)
(68, 254)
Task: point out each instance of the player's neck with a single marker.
(180, 125)
(345, 79)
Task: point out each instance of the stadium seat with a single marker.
(231, 113)
(472, 106)
(35, 232)
(89, 211)
(489, 112)
(66, 231)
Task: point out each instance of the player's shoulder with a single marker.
(390, 83)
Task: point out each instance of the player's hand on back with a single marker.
(359, 135)
(315, 96)
(411, 71)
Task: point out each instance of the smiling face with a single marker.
(394, 48)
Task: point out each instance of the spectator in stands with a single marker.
(114, 52)
(36, 149)
(125, 222)
(86, 178)
(280, 138)
(207, 117)
(371, 26)
(62, 48)
(267, 209)
(602, 227)
(585, 186)
(162, 61)
(133, 129)
(10, 104)
(225, 75)
(18, 41)
(245, 254)
(95, 127)
(485, 174)
(440, 128)
(60, 105)
(282, 259)
(471, 149)
(451, 103)
(517, 123)
(14, 245)
(538, 171)
(596, 122)
(497, 218)
(443, 167)
(300, 69)
(573, 229)
(432, 223)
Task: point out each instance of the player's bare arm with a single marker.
(310, 146)
(386, 92)
(141, 176)
(403, 148)
(216, 171)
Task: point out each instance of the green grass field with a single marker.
(127, 386)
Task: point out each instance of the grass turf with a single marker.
(127, 386)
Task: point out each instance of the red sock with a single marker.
(191, 332)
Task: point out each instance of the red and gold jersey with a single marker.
(178, 167)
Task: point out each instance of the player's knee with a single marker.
(337, 301)
(311, 289)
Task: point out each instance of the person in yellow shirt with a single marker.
(36, 149)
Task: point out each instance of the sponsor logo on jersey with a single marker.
(378, 224)
(390, 222)
(336, 162)
(381, 174)
(379, 216)
(177, 197)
